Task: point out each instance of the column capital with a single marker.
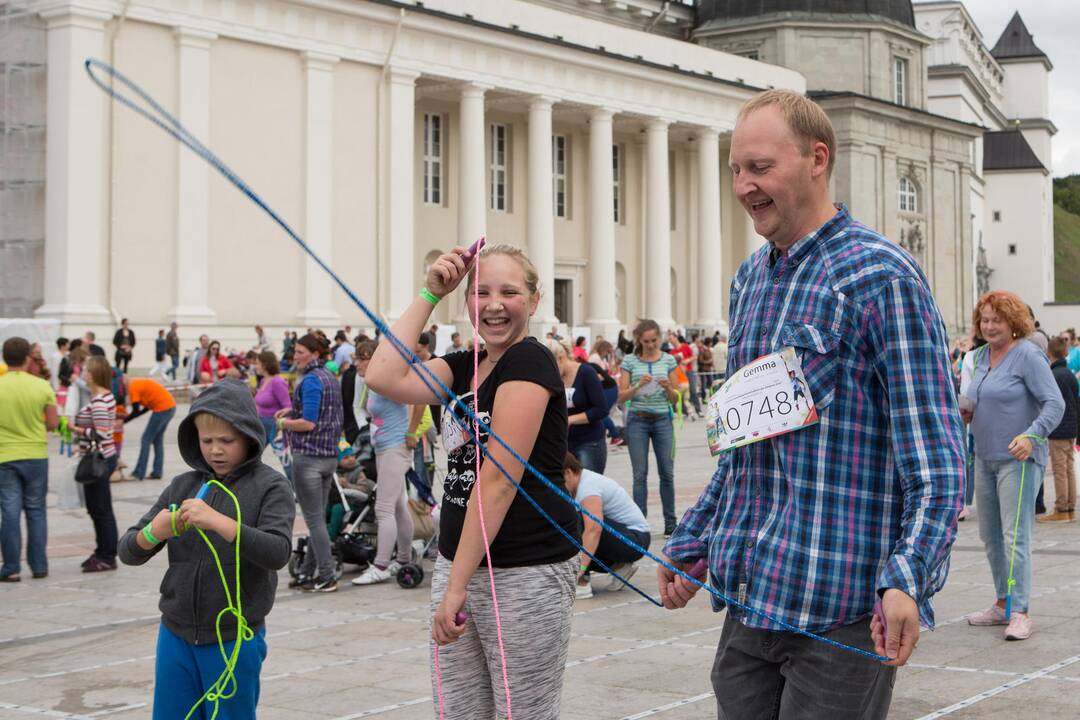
(602, 112)
(474, 89)
(319, 61)
(398, 75)
(542, 102)
(707, 132)
(88, 14)
(194, 37)
(657, 124)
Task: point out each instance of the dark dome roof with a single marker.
(897, 11)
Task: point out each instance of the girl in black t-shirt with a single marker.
(521, 397)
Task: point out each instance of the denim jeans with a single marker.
(154, 434)
(695, 391)
(784, 676)
(592, 454)
(23, 484)
(612, 551)
(313, 476)
(639, 430)
(100, 509)
(997, 491)
(175, 364)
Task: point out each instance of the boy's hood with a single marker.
(231, 401)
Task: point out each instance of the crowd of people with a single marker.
(905, 443)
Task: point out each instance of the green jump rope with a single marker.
(225, 686)
(1016, 529)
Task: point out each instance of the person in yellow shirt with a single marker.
(27, 412)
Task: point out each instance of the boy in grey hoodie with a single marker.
(221, 438)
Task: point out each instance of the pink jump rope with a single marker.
(461, 617)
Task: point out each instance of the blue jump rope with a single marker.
(168, 123)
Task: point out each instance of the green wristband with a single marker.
(583, 568)
(150, 536)
(429, 296)
(281, 423)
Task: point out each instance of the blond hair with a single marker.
(805, 117)
(209, 422)
(557, 348)
(532, 277)
(99, 372)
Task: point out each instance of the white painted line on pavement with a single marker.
(1022, 680)
(44, 712)
(669, 706)
(385, 708)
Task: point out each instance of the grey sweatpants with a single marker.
(312, 477)
(535, 604)
(392, 506)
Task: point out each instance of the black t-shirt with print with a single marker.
(526, 537)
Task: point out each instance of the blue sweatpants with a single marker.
(183, 672)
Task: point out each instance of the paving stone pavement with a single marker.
(78, 646)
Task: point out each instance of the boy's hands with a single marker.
(161, 525)
(196, 513)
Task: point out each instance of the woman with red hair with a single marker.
(1013, 403)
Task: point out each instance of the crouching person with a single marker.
(246, 514)
(605, 499)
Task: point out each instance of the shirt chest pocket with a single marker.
(818, 350)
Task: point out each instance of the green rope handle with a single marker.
(1016, 529)
(221, 689)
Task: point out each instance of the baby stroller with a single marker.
(350, 520)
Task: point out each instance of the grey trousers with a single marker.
(764, 675)
(535, 604)
(312, 477)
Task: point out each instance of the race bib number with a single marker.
(454, 433)
(763, 399)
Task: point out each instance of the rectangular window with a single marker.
(997, 216)
(559, 157)
(499, 162)
(900, 77)
(616, 181)
(1012, 249)
(432, 159)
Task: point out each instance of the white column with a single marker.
(657, 225)
(710, 268)
(540, 231)
(318, 309)
(193, 181)
(472, 204)
(401, 192)
(603, 315)
(76, 252)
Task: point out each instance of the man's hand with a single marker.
(675, 590)
(900, 636)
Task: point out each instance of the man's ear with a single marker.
(819, 152)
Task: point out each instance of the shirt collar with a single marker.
(806, 244)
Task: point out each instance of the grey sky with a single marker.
(1054, 25)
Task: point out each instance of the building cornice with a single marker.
(885, 108)
(966, 74)
(777, 22)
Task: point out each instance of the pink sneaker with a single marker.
(1019, 627)
(992, 615)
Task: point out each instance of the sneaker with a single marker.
(1019, 627)
(627, 571)
(1054, 517)
(617, 442)
(372, 576)
(41, 575)
(299, 581)
(669, 531)
(86, 562)
(12, 577)
(992, 615)
(583, 592)
(323, 586)
(96, 564)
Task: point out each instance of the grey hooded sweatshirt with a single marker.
(192, 594)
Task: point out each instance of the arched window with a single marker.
(909, 195)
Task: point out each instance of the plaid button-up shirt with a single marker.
(810, 525)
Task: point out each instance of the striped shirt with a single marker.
(651, 398)
(99, 414)
(808, 526)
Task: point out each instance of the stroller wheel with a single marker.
(339, 568)
(410, 575)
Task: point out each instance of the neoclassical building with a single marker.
(592, 133)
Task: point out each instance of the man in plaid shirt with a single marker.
(811, 527)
